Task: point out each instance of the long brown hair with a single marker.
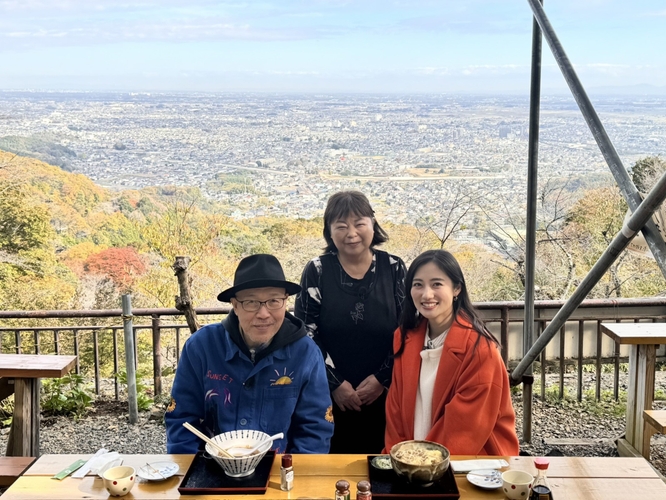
(462, 308)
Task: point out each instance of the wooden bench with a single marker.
(13, 467)
(655, 421)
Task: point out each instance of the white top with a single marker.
(430, 356)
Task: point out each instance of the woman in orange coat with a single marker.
(449, 382)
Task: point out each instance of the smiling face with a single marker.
(260, 326)
(352, 236)
(433, 292)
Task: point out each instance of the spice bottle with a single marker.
(342, 490)
(540, 486)
(286, 473)
(363, 491)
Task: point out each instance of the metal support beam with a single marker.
(130, 366)
(638, 219)
(530, 236)
(627, 188)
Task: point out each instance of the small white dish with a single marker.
(489, 479)
(157, 471)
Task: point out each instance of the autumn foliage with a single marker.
(68, 243)
(122, 265)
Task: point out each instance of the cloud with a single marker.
(480, 26)
(33, 23)
(494, 69)
(79, 6)
(187, 30)
(432, 71)
(607, 69)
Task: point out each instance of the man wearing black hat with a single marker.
(256, 370)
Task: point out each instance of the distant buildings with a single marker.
(294, 151)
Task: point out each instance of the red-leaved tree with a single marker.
(122, 265)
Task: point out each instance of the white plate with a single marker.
(157, 471)
(488, 479)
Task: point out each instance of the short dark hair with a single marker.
(462, 307)
(343, 204)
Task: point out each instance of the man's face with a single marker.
(261, 325)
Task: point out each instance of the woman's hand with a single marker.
(369, 390)
(346, 397)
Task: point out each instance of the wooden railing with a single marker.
(158, 343)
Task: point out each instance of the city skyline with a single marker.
(369, 46)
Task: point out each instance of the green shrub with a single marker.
(66, 396)
(606, 403)
(143, 400)
(6, 411)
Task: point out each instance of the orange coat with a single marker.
(472, 412)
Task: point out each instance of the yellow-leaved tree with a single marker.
(182, 229)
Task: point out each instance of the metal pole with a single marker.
(633, 199)
(129, 359)
(157, 355)
(530, 230)
(638, 219)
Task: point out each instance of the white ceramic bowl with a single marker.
(517, 485)
(242, 466)
(118, 481)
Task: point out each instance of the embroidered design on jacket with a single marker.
(172, 406)
(284, 379)
(329, 414)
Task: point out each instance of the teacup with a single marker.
(118, 481)
(517, 485)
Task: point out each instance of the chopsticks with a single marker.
(208, 440)
(496, 474)
(155, 470)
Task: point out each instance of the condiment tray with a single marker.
(205, 476)
(387, 484)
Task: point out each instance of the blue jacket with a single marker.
(218, 388)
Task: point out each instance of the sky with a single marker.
(364, 46)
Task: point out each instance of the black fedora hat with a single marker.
(258, 271)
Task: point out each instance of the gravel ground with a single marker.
(593, 427)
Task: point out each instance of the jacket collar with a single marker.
(290, 331)
(454, 345)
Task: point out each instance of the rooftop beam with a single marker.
(638, 219)
(530, 233)
(627, 188)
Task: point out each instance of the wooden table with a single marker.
(26, 370)
(571, 478)
(643, 339)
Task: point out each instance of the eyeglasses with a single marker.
(255, 305)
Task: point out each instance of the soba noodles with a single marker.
(419, 456)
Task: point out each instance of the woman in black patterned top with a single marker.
(351, 301)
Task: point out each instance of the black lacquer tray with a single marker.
(387, 484)
(205, 476)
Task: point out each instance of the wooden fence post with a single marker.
(184, 301)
